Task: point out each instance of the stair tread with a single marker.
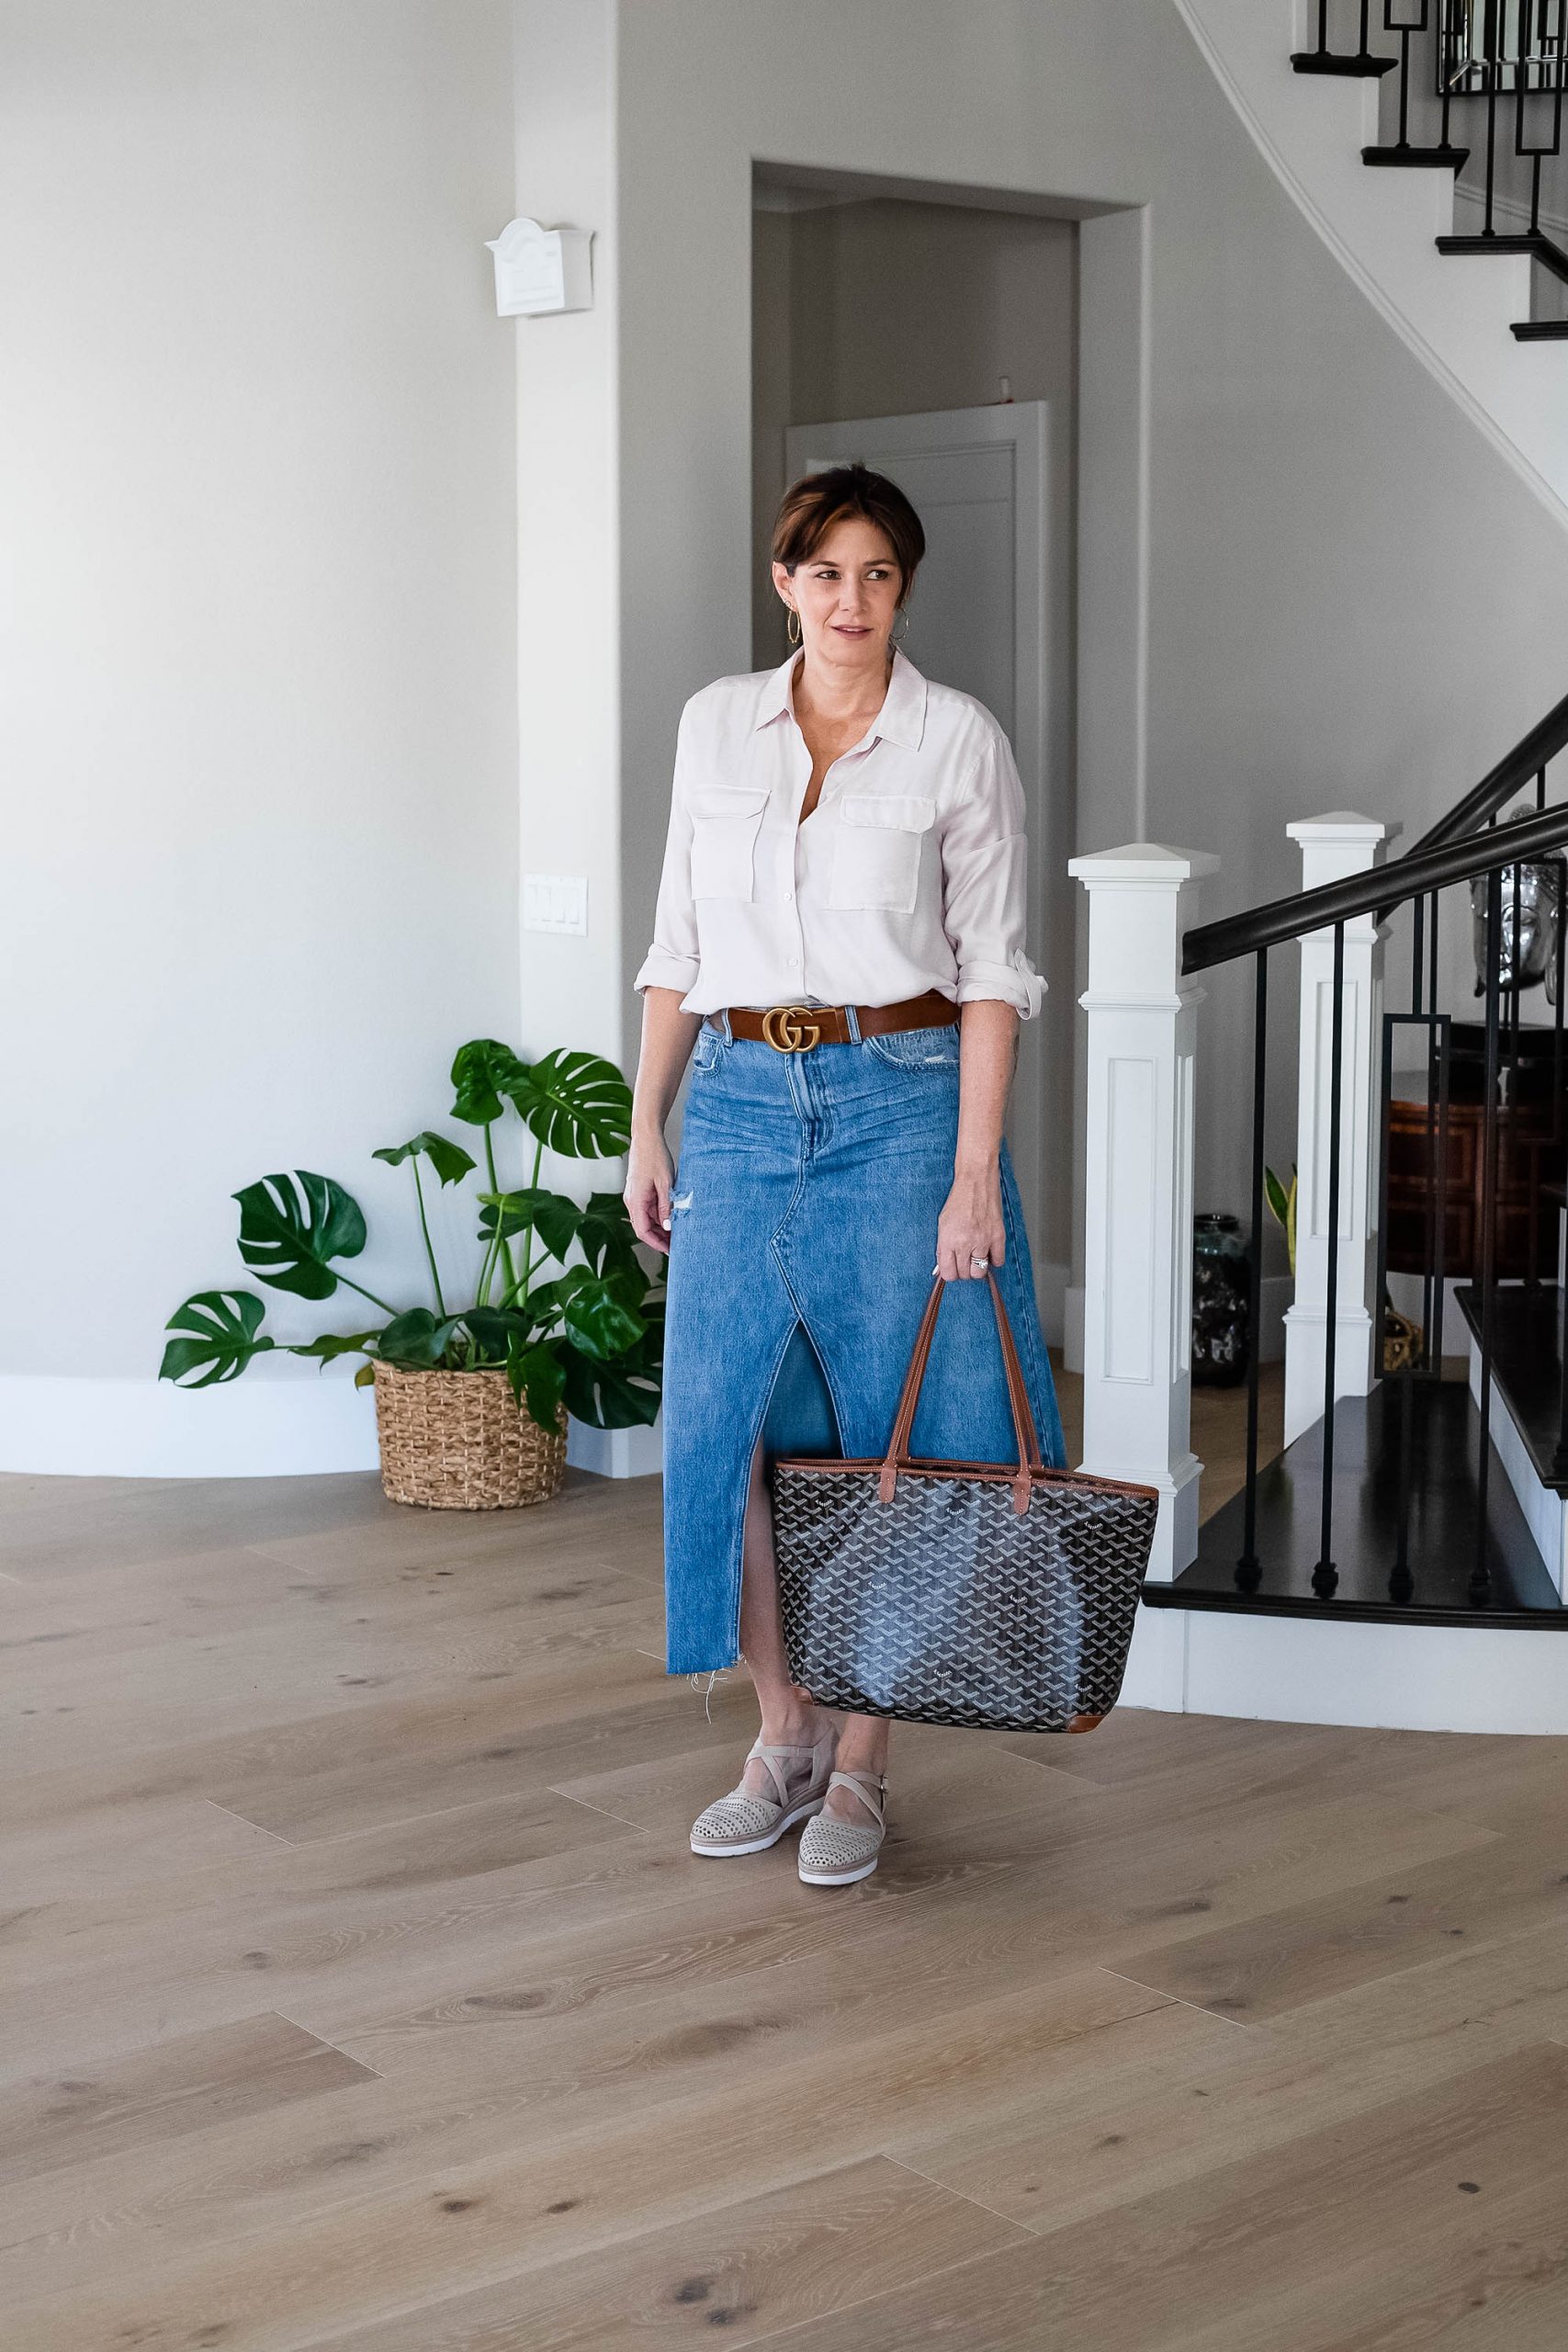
(1412, 158)
(1531, 244)
(1443, 1528)
(1527, 1364)
(1363, 67)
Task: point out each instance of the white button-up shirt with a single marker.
(909, 874)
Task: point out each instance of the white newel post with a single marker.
(1333, 847)
(1138, 1221)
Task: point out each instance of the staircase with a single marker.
(1405, 1560)
(1458, 235)
(1478, 88)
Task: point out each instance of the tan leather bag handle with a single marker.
(1029, 1457)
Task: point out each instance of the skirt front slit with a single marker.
(802, 1252)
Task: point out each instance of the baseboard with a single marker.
(637, 1453)
(1051, 1295)
(67, 1427)
(1072, 1335)
(1278, 1292)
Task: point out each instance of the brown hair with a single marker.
(812, 505)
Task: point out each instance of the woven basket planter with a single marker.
(458, 1441)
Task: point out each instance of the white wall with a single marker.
(257, 714)
(1352, 599)
(567, 478)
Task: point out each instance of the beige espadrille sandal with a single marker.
(835, 1853)
(741, 1823)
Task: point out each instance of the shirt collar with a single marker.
(902, 718)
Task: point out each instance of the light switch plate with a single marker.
(555, 902)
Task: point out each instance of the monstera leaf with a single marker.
(222, 1327)
(332, 1344)
(599, 1313)
(483, 1073)
(417, 1339)
(553, 1217)
(622, 1394)
(575, 1103)
(450, 1161)
(498, 1331)
(539, 1381)
(605, 1232)
(291, 1226)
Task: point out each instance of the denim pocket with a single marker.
(709, 1047)
(918, 1049)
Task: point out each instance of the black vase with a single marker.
(1221, 1301)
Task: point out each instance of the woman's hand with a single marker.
(668, 1037)
(651, 1177)
(971, 1224)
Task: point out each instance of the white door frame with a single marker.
(1022, 425)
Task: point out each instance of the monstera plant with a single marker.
(586, 1331)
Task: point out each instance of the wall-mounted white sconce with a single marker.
(539, 269)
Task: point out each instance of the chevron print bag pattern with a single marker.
(999, 1597)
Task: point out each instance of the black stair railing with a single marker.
(1455, 1235)
(1496, 71)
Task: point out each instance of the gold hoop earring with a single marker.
(792, 626)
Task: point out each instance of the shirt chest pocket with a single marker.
(876, 852)
(726, 822)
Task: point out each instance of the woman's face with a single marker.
(846, 594)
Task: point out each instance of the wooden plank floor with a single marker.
(359, 1989)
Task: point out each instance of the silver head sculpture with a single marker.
(1527, 953)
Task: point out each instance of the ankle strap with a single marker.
(870, 1787)
(772, 1749)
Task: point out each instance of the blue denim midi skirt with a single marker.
(802, 1225)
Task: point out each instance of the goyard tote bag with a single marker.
(978, 1593)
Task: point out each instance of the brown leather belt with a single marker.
(795, 1028)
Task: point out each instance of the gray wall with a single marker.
(1351, 599)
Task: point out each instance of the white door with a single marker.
(977, 620)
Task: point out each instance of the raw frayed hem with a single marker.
(717, 1674)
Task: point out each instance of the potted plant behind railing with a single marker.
(471, 1404)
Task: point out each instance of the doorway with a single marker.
(905, 300)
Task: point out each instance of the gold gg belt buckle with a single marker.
(790, 1027)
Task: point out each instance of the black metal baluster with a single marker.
(1536, 46)
(1322, 49)
(1448, 48)
(1481, 1574)
(1394, 1385)
(1326, 1575)
(1249, 1568)
(1514, 999)
(1405, 30)
(1560, 960)
(1440, 1253)
(1560, 951)
(1435, 1145)
(1492, 75)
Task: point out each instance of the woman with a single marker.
(844, 869)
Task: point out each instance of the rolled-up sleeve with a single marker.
(673, 960)
(985, 859)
